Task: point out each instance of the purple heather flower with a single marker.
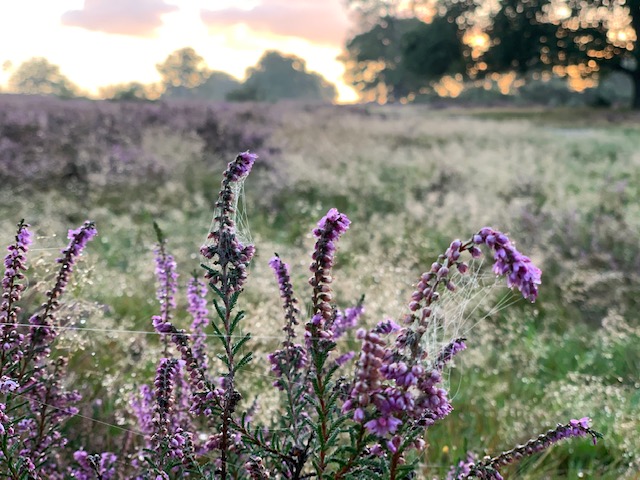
(228, 255)
(518, 269)
(15, 264)
(383, 425)
(449, 351)
(166, 276)
(255, 469)
(281, 270)
(241, 166)
(329, 230)
(575, 428)
(143, 409)
(196, 297)
(165, 379)
(347, 320)
(102, 465)
(8, 385)
(463, 468)
(345, 357)
(290, 359)
(41, 332)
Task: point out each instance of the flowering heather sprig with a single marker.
(328, 231)
(281, 271)
(41, 331)
(197, 307)
(488, 468)
(225, 250)
(449, 351)
(347, 320)
(166, 373)
(166, 275)
(389, 390)
(509, 262)
(518, 269)
(101, 466)
(142, 406)
(201, 391)
(292, 357)
(463, 468)
(15, 264)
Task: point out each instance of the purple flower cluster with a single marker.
(488, 469)
(291, 310)
(327, 233)
(15, 263)
(509, 262)
(286, 362)
(197, 307)
(240, 167)
(346, 320)
(389, 389)
(223, 247)
(449, 351)
(41, 331)
(292, 358)
(167, 278)
(255, 469)
(90, 466)
(463, 468)
(164, 430)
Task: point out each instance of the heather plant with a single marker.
(567, 193)
(339, 418)
(35, 398)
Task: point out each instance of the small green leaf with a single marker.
(240, 343)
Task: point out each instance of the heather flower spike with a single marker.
(509, 262)
(489, 468)
(327, 233)
(292, 357)
(229, 256)
(15, 264)
(42, 332)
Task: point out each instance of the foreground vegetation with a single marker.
(410, 179)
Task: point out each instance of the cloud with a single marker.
(125, 17)
(319, 21)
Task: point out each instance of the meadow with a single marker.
(564, 184)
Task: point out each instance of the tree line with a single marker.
(185, 75)
(402, 49)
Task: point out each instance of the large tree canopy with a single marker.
(591, 37)
(38, 76)
(595, 36)
(183, 68)
(277, 76)
(374, 62)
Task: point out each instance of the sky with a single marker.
(103, 42)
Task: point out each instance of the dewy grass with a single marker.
(338, 414)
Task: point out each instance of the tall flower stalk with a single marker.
(227, 273)
(318, 333)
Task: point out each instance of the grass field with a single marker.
(565, 185)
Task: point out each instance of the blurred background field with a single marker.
(564, 184)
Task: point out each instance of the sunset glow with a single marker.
(101, 42)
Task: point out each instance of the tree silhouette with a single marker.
(277, 76)
(375, 64)
(183, 68)
(37, 76)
